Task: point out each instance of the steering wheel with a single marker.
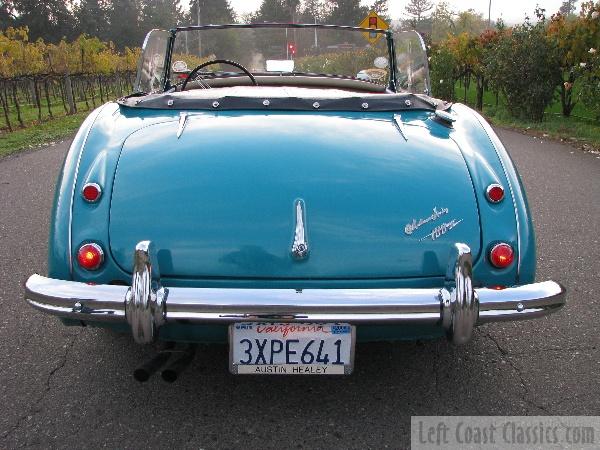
(194, 72)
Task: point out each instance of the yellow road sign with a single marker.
(373, 21)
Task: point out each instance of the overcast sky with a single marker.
(511, 11)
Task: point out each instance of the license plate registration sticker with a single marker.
(291, 348)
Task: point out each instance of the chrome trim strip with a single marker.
(86, 302)
(183, 116)
(400, 126)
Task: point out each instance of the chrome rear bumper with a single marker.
(146, 305)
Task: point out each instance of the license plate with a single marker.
(291, 349)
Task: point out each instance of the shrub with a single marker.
(590, 83)
(443, 73)
(525, 67)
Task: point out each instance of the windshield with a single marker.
(331, 51)
(411, 62)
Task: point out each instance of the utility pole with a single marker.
(293, 14)
(490, 15)
(316, 40)
(200, 32)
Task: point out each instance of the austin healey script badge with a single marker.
(436, 232)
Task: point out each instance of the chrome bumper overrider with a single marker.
(146, 305)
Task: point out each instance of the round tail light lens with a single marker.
(502, 256)
(90, 256)
(91, 192)
(494, 193)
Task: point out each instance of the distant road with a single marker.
(72, 387)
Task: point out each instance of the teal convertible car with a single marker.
(289, 189)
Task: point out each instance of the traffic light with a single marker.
(291, 48)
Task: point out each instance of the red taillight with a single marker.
(502, 256)
(495, 193)
(90, 256)
(91, 192)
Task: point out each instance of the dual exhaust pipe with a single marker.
(173, 360)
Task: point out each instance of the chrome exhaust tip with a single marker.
(145, 371)
(176, 367)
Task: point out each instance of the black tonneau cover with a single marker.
(214, 101)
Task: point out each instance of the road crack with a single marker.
(35, 408)
(526, 396)
(557, 350)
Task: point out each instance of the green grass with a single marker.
(36, 132)
(41, 133)
(580, 127)
(581, 130)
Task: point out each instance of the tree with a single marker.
(443, 72)
(563, 33)
(125, 20)
(590, 84)
(442, 23)
(484, 45)
(7, 16)
(346, 12)
(211, 12)
(525, 67)
(312, 11)
(92, 18)
(381, 8)
(293, 7)
(470, 22)
(567, 8)
(277, 11)
(282, 11)
(467, 52)
(162, 14)
(226, 44)
(48, 19)
(573, 38)
(418, 10)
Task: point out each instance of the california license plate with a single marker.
(291, 348)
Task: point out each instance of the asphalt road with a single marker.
(72, 387)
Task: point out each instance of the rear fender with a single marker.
(59, 248)
(508, 221)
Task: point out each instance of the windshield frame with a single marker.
(389, 35)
